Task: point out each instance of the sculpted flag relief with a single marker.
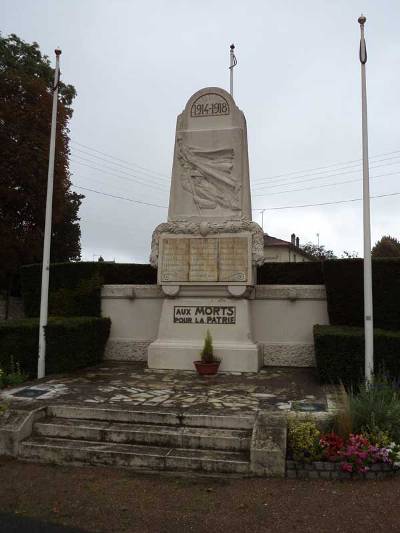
(207, 176)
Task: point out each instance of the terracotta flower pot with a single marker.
(207, 369)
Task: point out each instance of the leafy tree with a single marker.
(349, 255)
(318, 252)
(387, 246)
(26, 81)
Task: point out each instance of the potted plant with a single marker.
(208, 365)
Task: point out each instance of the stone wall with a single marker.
(282, 317)
(15, 309)
(327, 470)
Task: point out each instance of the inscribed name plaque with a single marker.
(204, 314)
(215, 259)
(175, 260)
(203, 260)
(233, 259)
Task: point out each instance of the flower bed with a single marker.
(365, 455)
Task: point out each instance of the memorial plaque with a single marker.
(205, 314)
(203, 260)
(233, 259)
(175, 260)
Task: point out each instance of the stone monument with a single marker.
(207, 252)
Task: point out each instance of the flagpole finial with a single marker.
(232, 46)
(57, 51)
(362, 19)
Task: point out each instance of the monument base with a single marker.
(183, 326)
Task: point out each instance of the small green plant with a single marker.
(303, 440)
(343, 422)
(375, 408)
(207, 353)
(14, 377)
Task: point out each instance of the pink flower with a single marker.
(346, 467)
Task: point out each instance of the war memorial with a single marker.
(206, 255)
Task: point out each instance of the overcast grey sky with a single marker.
(135, 64)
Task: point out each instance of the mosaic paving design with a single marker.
(132, 384)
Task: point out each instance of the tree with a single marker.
(318, 252)
(26, 80)
(349, 255)
(387, 246)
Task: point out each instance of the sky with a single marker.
(135, 64)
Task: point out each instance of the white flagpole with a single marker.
(368, 308)
(232, 63)
(44, 297)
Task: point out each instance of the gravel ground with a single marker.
(112, 500)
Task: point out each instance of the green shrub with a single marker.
(371, 410)
(339, 353)
(14, 377)
(290, 274)
(70, 343)
(303, 440)
(375, 410)
(75, 287)
(345, 292)
(84, 300)
(207, 353)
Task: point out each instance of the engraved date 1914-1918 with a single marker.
(210, 109)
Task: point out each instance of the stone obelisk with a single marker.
(207, 252)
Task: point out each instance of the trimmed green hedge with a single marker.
(71, 343)
(339, 353)
(345, 292)
(75, 287)
(290, 273)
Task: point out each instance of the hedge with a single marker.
(71, 343)
(291, 273)
(75, 287)
(339, 353)
(345, 292)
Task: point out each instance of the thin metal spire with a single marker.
(232, 64)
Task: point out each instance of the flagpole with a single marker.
(368, 307)
(232, 63)
(44, 297)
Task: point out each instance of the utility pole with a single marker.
(262, 218)
(44, 297)
(368, 306)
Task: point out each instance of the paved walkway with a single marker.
(133, 385)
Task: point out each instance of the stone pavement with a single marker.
(125, 385)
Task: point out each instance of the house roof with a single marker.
(274, 241)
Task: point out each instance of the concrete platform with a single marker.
(125, 415)
(127, 385)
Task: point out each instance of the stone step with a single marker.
(145, 458)
(150, 434)
(166, 418)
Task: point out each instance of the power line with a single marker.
(254, 209)
(323, 177)
(326, 185)
(134, 180)
(162, 180)
(118, 159)
(327, 203)
(119, 197)
(321, 169)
